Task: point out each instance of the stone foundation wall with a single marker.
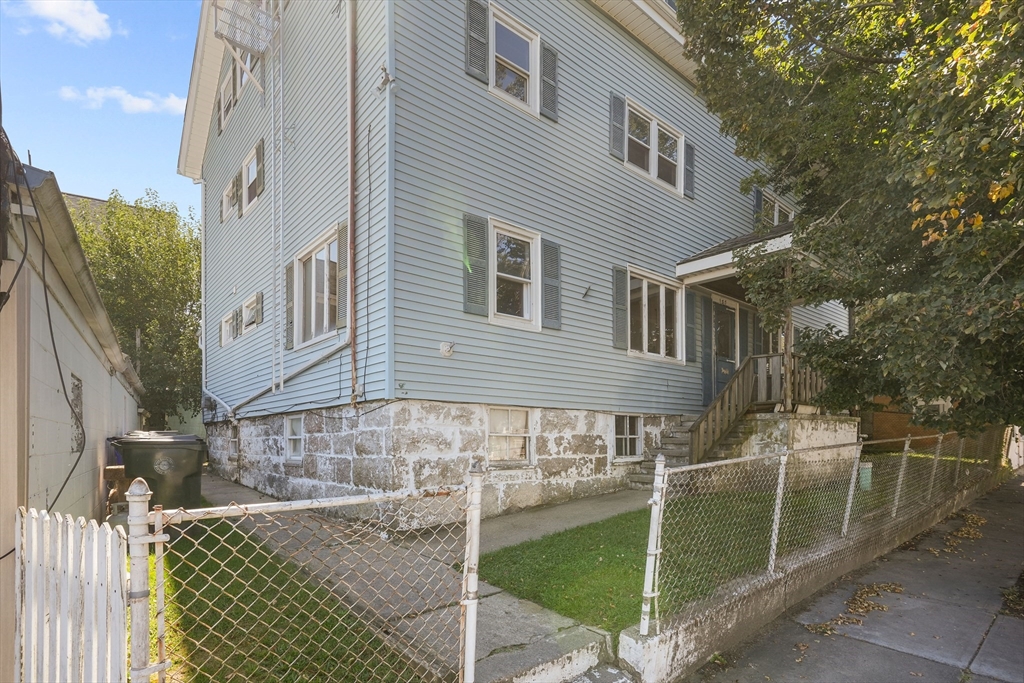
(406, 444)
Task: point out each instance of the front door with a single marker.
(723, 320)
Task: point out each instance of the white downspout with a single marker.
(350, 30)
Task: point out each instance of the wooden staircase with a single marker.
(676, 449)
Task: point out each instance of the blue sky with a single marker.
(96, 90)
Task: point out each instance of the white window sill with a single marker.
(632, 460)
(654, 357)
(655, 180)
(245, 208)
(341, 334)
(509, 465)
(514, 322)
(514, 101)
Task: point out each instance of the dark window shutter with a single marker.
(551, 285)
(548, 82)
(474, 273)
(289, 306)
(707, 371)
(259, 307)
(342, 278)
(477, 31)
(617, 126)
(238, 193)
(758, 205)
(689, 167)
(691, 327)
(758, 336)
(216, 113)
(744, 333)
(234, 81)
(620, 307)
(259, 168)
(236, 326)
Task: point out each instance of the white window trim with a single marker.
(225, 329)
(312, 248)
(532, 106)
(512, 464)
(781, 207)
(619, 459)
(225, 202)
(249, 303)
(250, 157)
(534, 321)
(226, 84)
(243, 77)
(680, 312)
(657, 124)
(301, 438)
(735, 305)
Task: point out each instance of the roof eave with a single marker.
(202, 89)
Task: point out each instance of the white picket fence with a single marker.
(70, 600)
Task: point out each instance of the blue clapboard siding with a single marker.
(239, 252)
(819, 316)
(460, 149)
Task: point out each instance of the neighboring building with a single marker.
(526, 176)
(39, 437)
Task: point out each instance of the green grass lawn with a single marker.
(595, 573)
(236, 612)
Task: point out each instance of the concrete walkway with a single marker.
(516, 639)
(945, 627)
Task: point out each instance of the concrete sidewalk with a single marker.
(516, 639)
(945, 626)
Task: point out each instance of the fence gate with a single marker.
(361, 588)
(69, 599)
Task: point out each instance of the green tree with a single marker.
(899, 126)
(145, 259)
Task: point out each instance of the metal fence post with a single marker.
(470, 582)
(138, 582)
(853, 487)
(959, 456)
(778, 512)
(899, 480)
(935, 466)
(653, 545)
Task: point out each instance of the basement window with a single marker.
(629, 437)
(508, 436)
(293, 431)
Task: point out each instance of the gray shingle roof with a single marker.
(741, 241)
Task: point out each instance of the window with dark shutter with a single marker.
(620, 307)
(758, 205)
(216, 109)
(689, 169)
(691, 327)
(551, 282)
(548, 82)
(289, 306)
(474, 275)
(259, 168)
(707, 367)
(617, 126)
(342, 279)
(236, 325)
(477, 48)
(259, 307)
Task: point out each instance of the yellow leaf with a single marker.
(954, 213)
(930, 171)
(985, 147)
(985, 8)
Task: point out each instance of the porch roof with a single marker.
(719, 262)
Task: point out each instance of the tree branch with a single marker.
(985, 280)
(849, 55)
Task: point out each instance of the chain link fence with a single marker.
(728, 528)
(368, 588)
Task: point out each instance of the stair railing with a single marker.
(759, 379)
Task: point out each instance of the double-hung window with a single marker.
(515, 60)
(652, 147)
(775, 211)
(515, 255)
(227, 98)
(508, 436)
(227, 201)
(317, 287)
(250, 180)
(654, 318)
(293, 432)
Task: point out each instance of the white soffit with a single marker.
(202, 95)
(718, 266)
(653, 23)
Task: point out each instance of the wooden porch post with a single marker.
(788, 351)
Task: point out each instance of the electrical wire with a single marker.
(56, 356)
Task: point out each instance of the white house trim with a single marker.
(718, 266)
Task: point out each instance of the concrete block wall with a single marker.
(415, 444)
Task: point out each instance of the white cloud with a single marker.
(148, 103)
(78, 21)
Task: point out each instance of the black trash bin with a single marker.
(171, 463)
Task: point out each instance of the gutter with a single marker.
(350, 31)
